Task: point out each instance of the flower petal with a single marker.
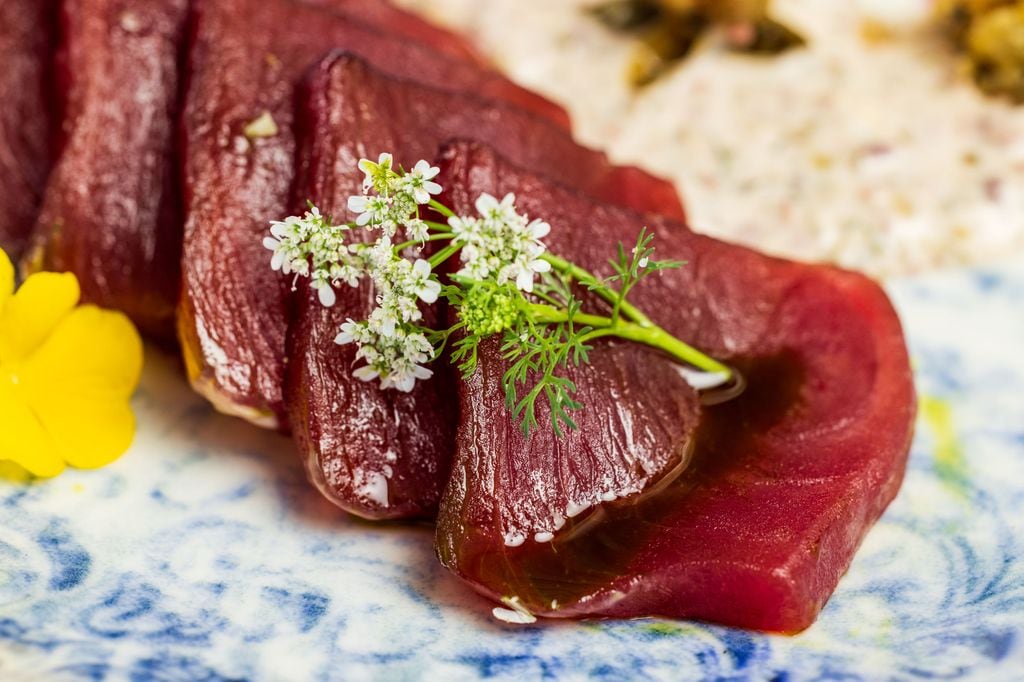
(486, 203)
(22, 437)
(430, 292)
(88, 433)
(421, 267)
(33, 313)
(524, 281)
(6, 278)
(539, 229)
(365, 373)
(79, 383)
(93, 353)
(357, 204)
(327, 296)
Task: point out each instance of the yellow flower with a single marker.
(67, 373)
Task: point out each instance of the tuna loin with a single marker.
(745, 514)
(377, 453)
(246, 59)
(27, 37)
(386, 17)
(112, 212)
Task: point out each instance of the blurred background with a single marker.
(885, 135)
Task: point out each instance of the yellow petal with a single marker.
(6, 279)
(32, 314)
(79, 382)
(88, 433)
(22, 438)
(92, 353)
(12, 473)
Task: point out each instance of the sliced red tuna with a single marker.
(382, 453)
(385, 16)
(28, 30)
(746, 513)
(112, 210)
(246, 59)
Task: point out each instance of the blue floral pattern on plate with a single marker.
(204, 555)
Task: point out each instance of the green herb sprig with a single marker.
(508, 286)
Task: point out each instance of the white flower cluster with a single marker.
(390, 342)
(391, 199)
(392, 345)
(400, 284)
(501, 244)
(396, 359)
(312, 247)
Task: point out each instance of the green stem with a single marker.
(650, 335)
(443, 255)
(587, 278)
(640, 330)
(443, 227)
(441, 208)
(548, 314)
(432, 238)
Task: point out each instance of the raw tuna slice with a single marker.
(246, 59)
(112, 211)
(385, 16)
(27, 42)
(746, 513)
(385, 454)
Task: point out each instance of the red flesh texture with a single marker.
(784, 482)
(112, 210)
(27, 36)
(348, 431)
(387, 17)
(247, 57)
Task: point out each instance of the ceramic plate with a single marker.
(204, 555)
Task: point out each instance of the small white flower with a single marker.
(426, 288)
(383, 321)
(378, 175)
(501, 244)
(417, 230)
(397, 359)
(419, 182)
(312, 247)
(350, 332)
(463, 227)
(380, 255)
(375, 210)
(404, 377)
(524, 280)
(490, 208)
(277, 260)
